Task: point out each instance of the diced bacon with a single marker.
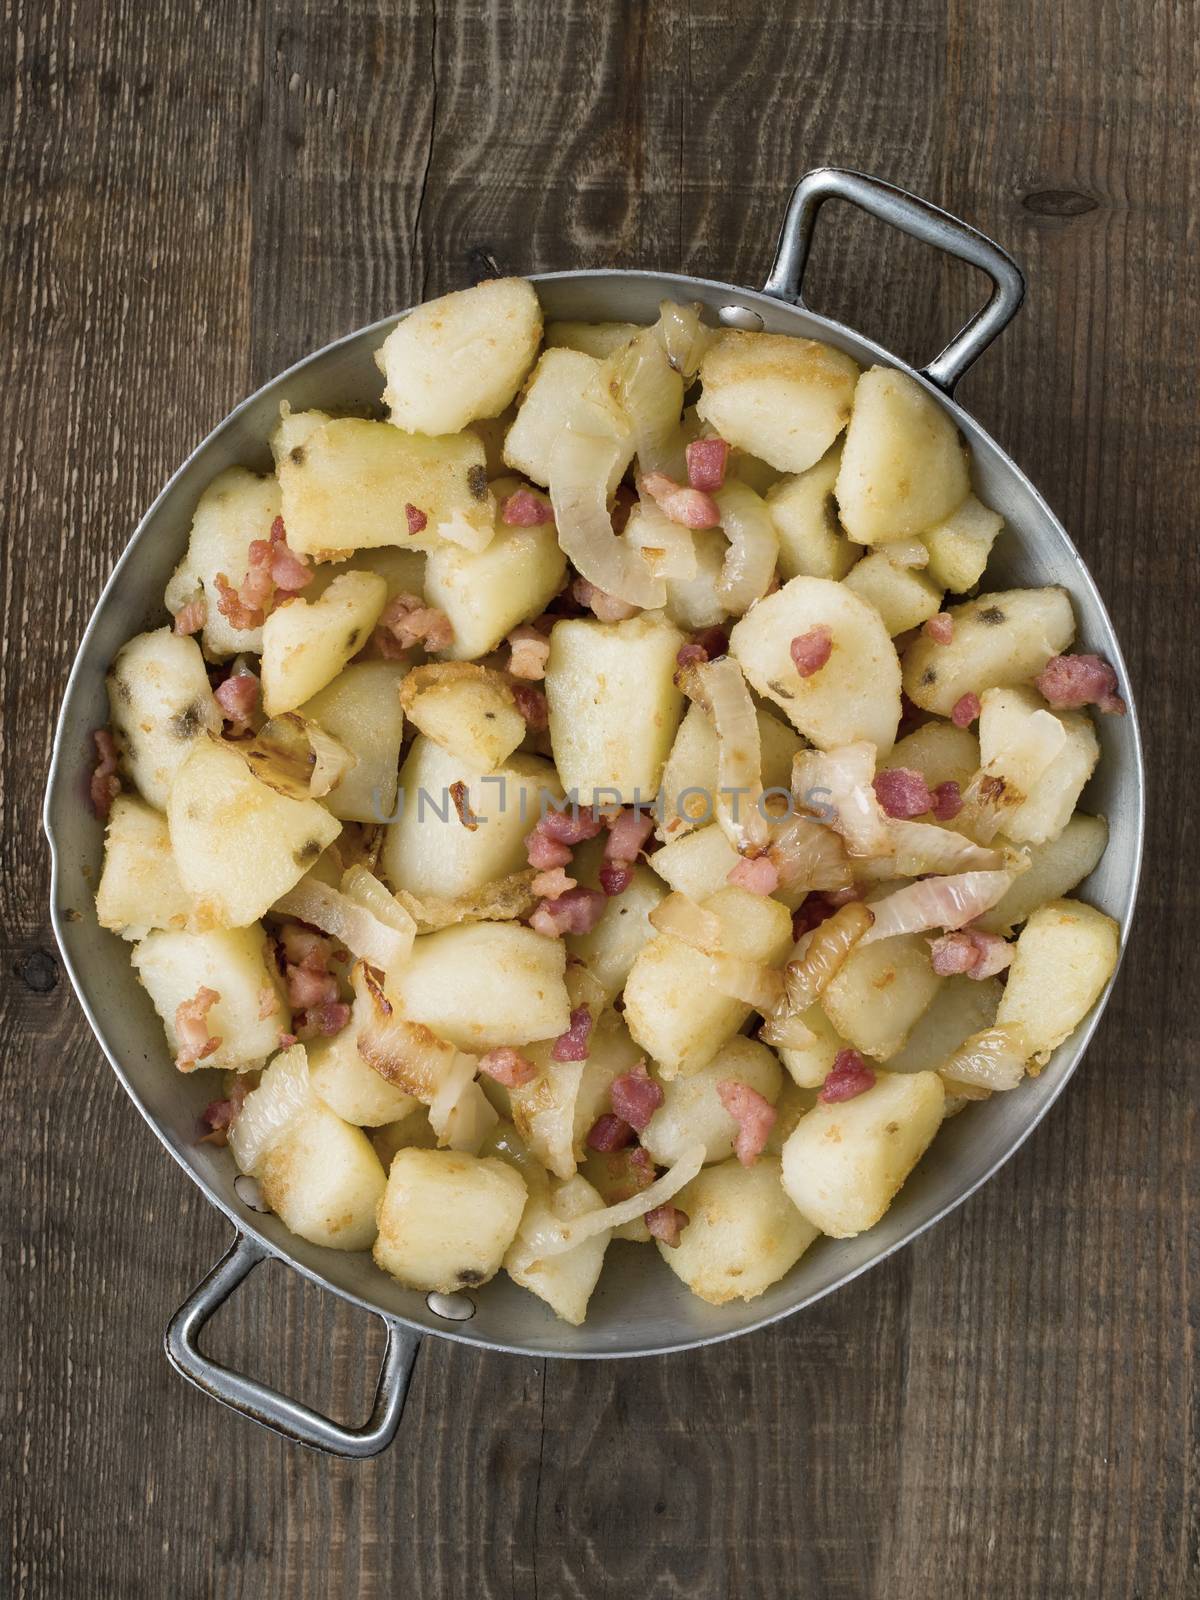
(902, 792)
(966, 708)
(940, 628)
(691, 655)
(508, 1066)
(104, 785)
(191, 1029)
(757, 874)
(238, 698)
(322, 1021)
(411, 622)
(306, 971)
(553, 883)
(191, 618)
(530, 652)
(713, 641)
(546, 853)
(754, 1115)
(666, 1223)
(304, 944)
(810, 651)
(220, 1115)
(636, 1097)
(691, 508)
(849, 1077)
(979, 955)
(1069, 682)
(609, 1133)
(947, 801)
(532, 705)
(706, 460)
(573, 1045)
(571, 827)
(386, 646)
(524, 509)
(289, 572)
(606, 607)
(416, 519)
(233, 608)
(307, 986)
(628, 831)
(614, 880)
(577, 911)
(287, 1040)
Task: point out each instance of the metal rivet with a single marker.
(453, 1307)
(247, 1191)
(741, 317)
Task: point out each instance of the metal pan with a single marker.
(639, 1308)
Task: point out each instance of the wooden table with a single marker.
(195, 195)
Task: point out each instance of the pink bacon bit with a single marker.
(605, 607)
(191, 1029)
(415, 518)
(238, 699)
(966, 708)
(322, 1021)
(810, 651)
(306, 973)
(947, 801)
(577, 911)
(666, 1223)
(191, 618)
(552, 884)
(410, 622)
(1069, 682)
(628, 831)
(940, 628)
(691, 508)
(636, 1097)
(754, 1115)
(508, 1066)
(757, 874)
(571, 827)
(609, 1133)
(104, 785)
(614, 880)
(533, 706)
(979, 955)
(546, 853)
(524, 509)
(573, 1045)
(530, 652)
(233, 608)
(704, 646)
(220, 1115)
(849, 1077)
(902, 792)
(706, 462)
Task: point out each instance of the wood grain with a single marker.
(196, 195)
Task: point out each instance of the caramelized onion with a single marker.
(753, 547)
(739, 756)
(550, 1236)
(362, 915)
(283, 1094)
(688, 922)
(993, 1059)
(809, 974)
(937, 903)
(840, 781)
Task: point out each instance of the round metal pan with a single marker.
(639, 1307)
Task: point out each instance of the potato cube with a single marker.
(361, 709)
(784, 399)
(348, 486)
(856, 695)
(743, 1233)
(461, 356)
(960, 546)
(673, 1009)
(430, 850)
(559, 381)
(692, 1113)
(140, 887)
(1066, 954)
(810, 1064)
(543, 1110)
(903, 596)
(697, 864)
(324, 1181)
(1050, 802)
(466, 709)
(999, 640)
(306, 645)
(803, 509)
(691, 769)
(904, 466)
(879, 993)
(696, 602)
(845, 1163)
(237, 843)
(295, 428)
(598, 339)
(564, 1281)
(233, 962)
(614, 706)
(447, 1218)
(487, 593)
(939, 751)
(485, 984)
(1056, 867)
(236, 508)
(961, 1007)
(610, 949)
(160, 704)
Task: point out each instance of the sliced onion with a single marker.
(753, 547)
(544, 1114)
(501, 901)
(458, 1076)
(667, 548)
(807, 856)
(994, 1059)
(588, 454)
(296, 757)
(471, 1119)
(368, 920)
(907, 553)
(683, 336)
(754, 985)
(809, 974)
(550, 1236)
(739, 756)
(650, 392)
(937, 903)
(840, 780)
(688, 922)
(923, 847)
(584, 988)
(406, 1053)
(283, 1094)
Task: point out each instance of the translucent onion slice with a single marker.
(991, 796)
(810, 973)
(809, 856)
(688, 922)
(501, 901)
(937, 903)
(907, 553)
(994, 1059)
(296, 757)
(683, 336)
(368, 920)
(458, 1077)
(839, 781)
(753, 547)
(667, 548)
(761, 988)
(650, 391)
(406, 1053)
(588, 454)
(544, 1114)
(283, 1095)
(923, 847)
(550, 1236)
(470, 1121)
(739, 756)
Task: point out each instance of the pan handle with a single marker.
(923, 221)
(262, 1404)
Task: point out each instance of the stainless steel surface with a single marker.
(639, 1308)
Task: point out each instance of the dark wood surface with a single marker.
(196, 194)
